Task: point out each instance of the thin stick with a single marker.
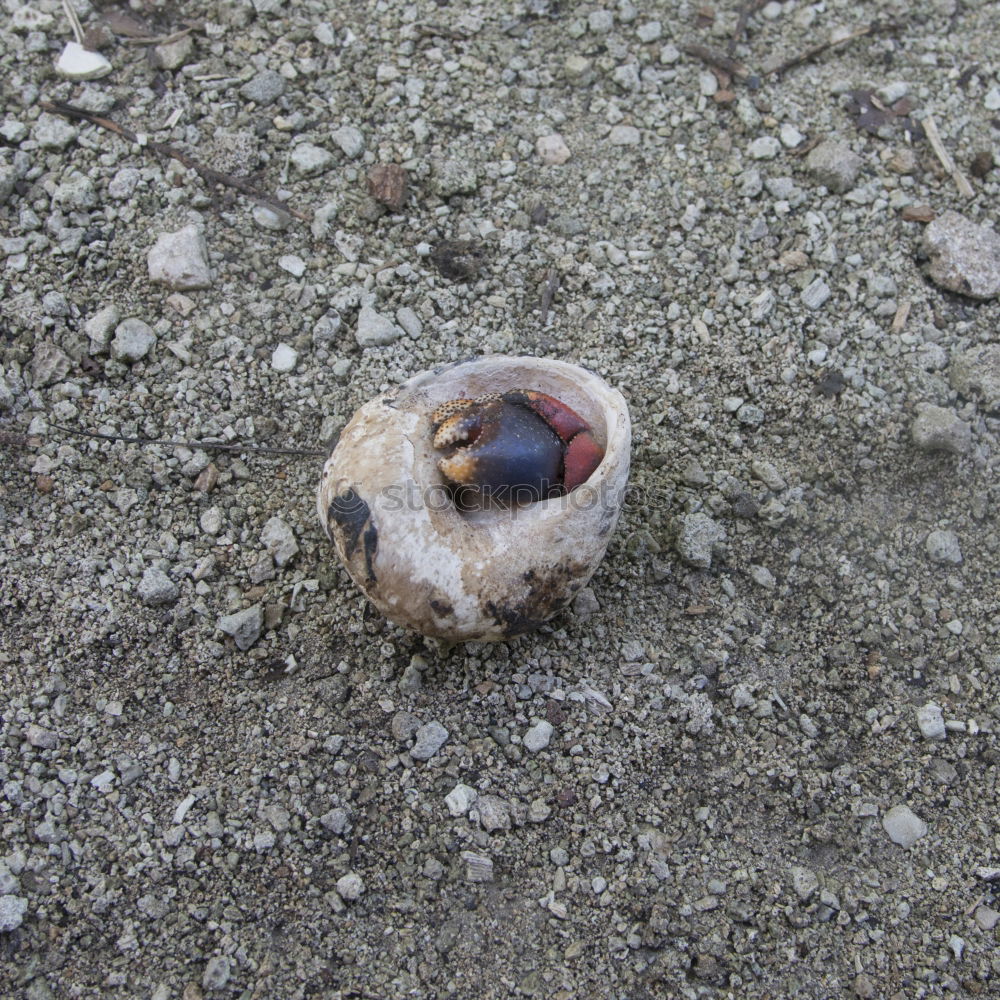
(834, 43)
(934, 138)
(746, 12)
(902, 315)
(74, 22)
(207, 174)
(207, 445)
(733, 67)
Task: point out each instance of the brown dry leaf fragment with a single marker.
(458, 260)
(387, 183)
(982, 163)
(871, 115)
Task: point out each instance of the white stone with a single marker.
(98, 328)
(538, 736)
(133, 340)
(283, 358)
(12, 910)
(766, 147)
(77, 63)
(293, 264)
(179, 260)
(350, 140)
(552, 149)
(374, 329)
(459, 799)
(930, 720)
(350, 887)
(943, 547)
(903, 826)
(624, 135)
(279, 540)
(309, 159)
(435, 569)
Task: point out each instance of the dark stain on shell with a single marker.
(441, 608)
(350, 513)
(546, 595)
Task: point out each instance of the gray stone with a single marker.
(943, 547)
(264, 88)
(930, 720)
(964, 256)
(350, 140)
(538, 736)
(44, 739)
(478, 867)
(805, 882)
(284, 358)
(279, 540)
(975, 374)
(156, 588)
(624, 135)
(179, 260)
(217, 973)
(77, 193)
(49, 364)
(98, 328)
(12, 910)
(244, 626)
(374, 329)
(309, 159)
(493, 812)
(697, 538)
(51, 132)
(815, 294)
(585, 603)
(350, 887)
(410, 322)
(336, 820)
(936, 428)
(460, 799)
(403, 726)
(903, 826)
(133, 340)
(766, 147)
(173, 55)
(453, 177)
(430, 738)
(835, 165)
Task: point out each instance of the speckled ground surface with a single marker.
(685, 785)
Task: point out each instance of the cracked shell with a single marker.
(460, 575)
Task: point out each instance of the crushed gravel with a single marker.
(760, 755)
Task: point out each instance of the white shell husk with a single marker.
(484, 575)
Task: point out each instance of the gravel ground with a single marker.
(760, 756)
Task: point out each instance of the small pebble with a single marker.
(374, 329)
(903, 826)
(156, 588)
(244, 626)
(179, 260)
(350, 887)
(936, 428)
(12, 910)
(697, 538)
(460, 799)
(216, 974)
(132, 341)
(930, 721)
(478, 867)
(538, 736)
(835, 165)
(430, 738)
(943, 547)
(552, 149)
(975, 374)
(964, 256)
(279, 540)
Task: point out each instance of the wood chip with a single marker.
(902, 314)
(934, 138)
(918, 213)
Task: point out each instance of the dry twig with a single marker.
(206, 445)
(934, 138)
(207, 174)
(733, 67)
(834, 43)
